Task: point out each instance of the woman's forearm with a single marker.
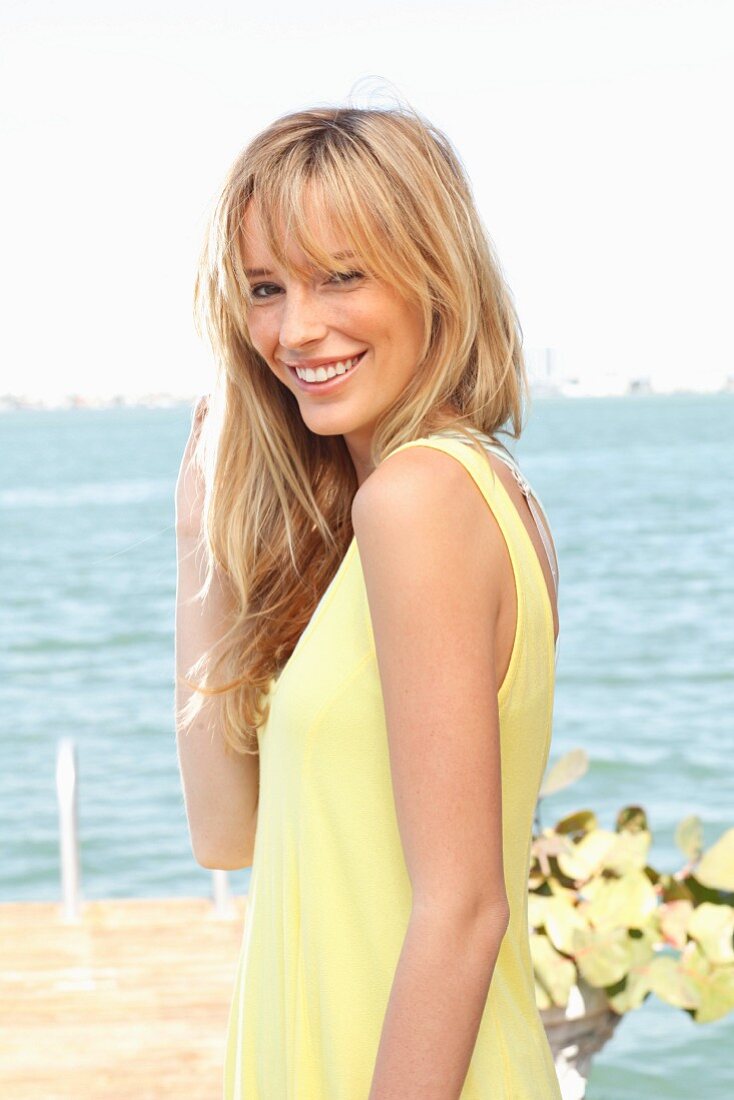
(220, 787)
(438, 996)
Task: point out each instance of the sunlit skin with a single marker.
(332, 317)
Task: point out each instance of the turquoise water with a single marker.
(638, 491)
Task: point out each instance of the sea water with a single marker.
(638, 493)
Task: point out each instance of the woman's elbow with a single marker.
(221, 861)
(222, 854)
(485, 916)
(496, 916)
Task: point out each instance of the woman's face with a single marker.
(346, 346)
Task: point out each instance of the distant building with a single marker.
(641, 384)
(546, 375)
(542, 369)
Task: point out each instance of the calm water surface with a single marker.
(638, 491)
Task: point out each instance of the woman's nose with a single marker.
(300, 321)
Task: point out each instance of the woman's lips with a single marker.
(332, 383)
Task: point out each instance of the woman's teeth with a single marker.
(322, 374)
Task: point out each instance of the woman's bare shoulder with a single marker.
(418, 479)
(423, 533)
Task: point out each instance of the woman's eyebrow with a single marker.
(262, 272)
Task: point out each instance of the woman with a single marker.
(374, 635)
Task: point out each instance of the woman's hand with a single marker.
(190, 483)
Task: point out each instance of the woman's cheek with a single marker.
(259, 332)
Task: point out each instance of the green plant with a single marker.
(597, 909)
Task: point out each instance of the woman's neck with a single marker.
(359, 443)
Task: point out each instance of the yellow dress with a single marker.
(330, 897)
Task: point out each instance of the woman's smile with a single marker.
(323, 375)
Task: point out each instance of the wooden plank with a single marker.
(131, 1002)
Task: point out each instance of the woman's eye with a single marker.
(265, 287)
(346, 276)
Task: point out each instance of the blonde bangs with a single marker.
(299, 194)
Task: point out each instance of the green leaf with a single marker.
(587, 857)
(603, 957)
(700, 893)
(629, 853)
(537, 905)
(717, 995)
(671, 982)
(568, 893)
(632, 819)
(578, 824)
(555, 973)
(626, 902)
(716, 869)
(567, 770)
(712, 926)
(561, 919)
(635, 988)
(674, 890)
(689, 837)
(643, 945)
(713, 985)
(673, 917)
(632, 991)
(544, 848)
(693, 960)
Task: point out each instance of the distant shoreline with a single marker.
(15, 402)
(12, 402)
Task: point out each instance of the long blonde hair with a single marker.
(277, 513)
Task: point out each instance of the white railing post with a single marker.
(67, 795)
(224, 906)
(66, 791)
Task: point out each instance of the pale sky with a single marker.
(597, 136)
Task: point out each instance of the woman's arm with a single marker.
(220, 788)
(427, 543)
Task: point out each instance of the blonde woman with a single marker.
(365, 622)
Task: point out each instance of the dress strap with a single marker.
(534, 502)
(528, 492)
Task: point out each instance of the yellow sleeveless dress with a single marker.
(330, 898)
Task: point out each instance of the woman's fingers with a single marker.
(201, 409)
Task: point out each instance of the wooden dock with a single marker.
(130, 1003)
